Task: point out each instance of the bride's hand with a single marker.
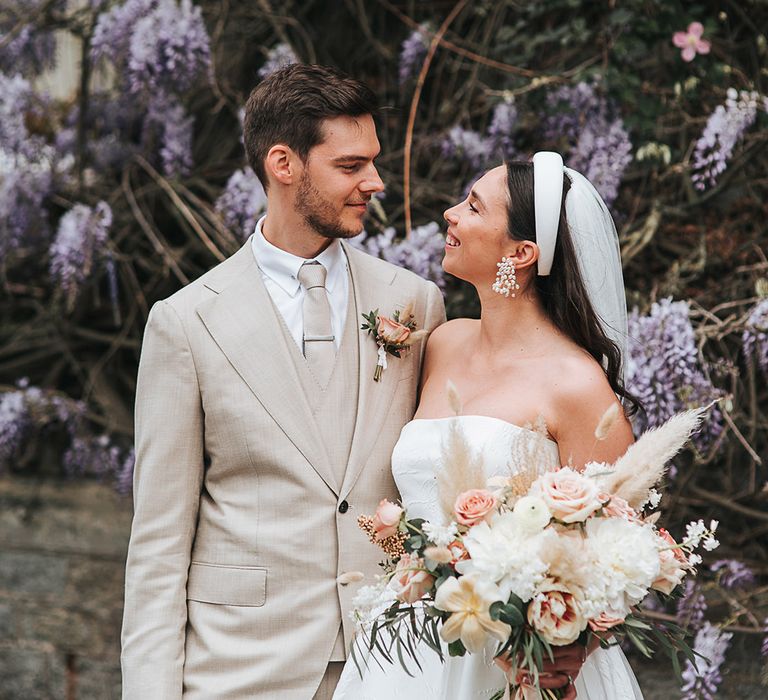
(566, 666)
(557, 674)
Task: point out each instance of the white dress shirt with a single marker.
(279, 270)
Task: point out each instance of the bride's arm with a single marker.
(582, 396)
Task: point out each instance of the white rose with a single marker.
(569, 495)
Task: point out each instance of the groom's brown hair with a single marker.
(289, 107)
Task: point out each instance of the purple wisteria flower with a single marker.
(25, 183)
(724, 129)
(701, 682)
(79, 247)
(664, 370)
(14, 423)
(602, 155)
(111, 122)
(466, 145)
(114, 29)
(159, 45)
(29, 411)
(692, 607)
(584, 124)
(413, 51)
(243, 202)
(422, 253)
(499, 136)
(733, 574)
(25, 168)
(92, 456)
(124, 477)
(25, 48)
(280, 56)
(168, 120)
(571, 107)
(764, 645)
(755, 335)
(16, 97)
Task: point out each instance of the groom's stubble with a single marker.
(319, 213)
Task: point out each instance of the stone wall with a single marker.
(62, 552)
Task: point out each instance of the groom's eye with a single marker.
(350, 168)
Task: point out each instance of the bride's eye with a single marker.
(472, 209)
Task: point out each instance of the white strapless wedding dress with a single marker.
(606, 675)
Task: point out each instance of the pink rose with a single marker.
(604, 622)
(555, 614)
(387, 519)
(617, 507)
(411, 581)
(391, 331)
(569, 495)
(673, 564)
(474, 506)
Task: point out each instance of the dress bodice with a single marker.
(503, 447)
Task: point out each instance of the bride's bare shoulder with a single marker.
(451, 332)
(577, 374)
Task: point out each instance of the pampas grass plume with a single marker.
(454, 400)
(607, 422)
(644, 463)
(460, 469)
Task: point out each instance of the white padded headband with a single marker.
(547, 199)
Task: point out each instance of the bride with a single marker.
(538, 244)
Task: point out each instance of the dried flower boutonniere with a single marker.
(393, 335)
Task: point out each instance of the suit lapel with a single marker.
(371, 291)
(244, 324)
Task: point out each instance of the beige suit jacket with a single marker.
(240, 527)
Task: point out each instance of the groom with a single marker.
(260, 432)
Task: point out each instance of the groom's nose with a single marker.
(372, 182)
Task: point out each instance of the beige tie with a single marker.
(318, 332)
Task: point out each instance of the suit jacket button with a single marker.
(343, 507)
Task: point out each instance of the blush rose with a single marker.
(474, 506)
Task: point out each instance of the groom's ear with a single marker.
(280, 164)
(524, 254)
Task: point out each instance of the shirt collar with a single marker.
(282, 267)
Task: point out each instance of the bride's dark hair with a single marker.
(562, 292)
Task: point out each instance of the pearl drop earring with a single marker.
(506, 278)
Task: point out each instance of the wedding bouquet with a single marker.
(539, 559)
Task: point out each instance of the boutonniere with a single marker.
(392, 335)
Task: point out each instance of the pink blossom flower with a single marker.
(386, 521)
(691, 42)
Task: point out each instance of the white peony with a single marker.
(623, 563)
(507, 554)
